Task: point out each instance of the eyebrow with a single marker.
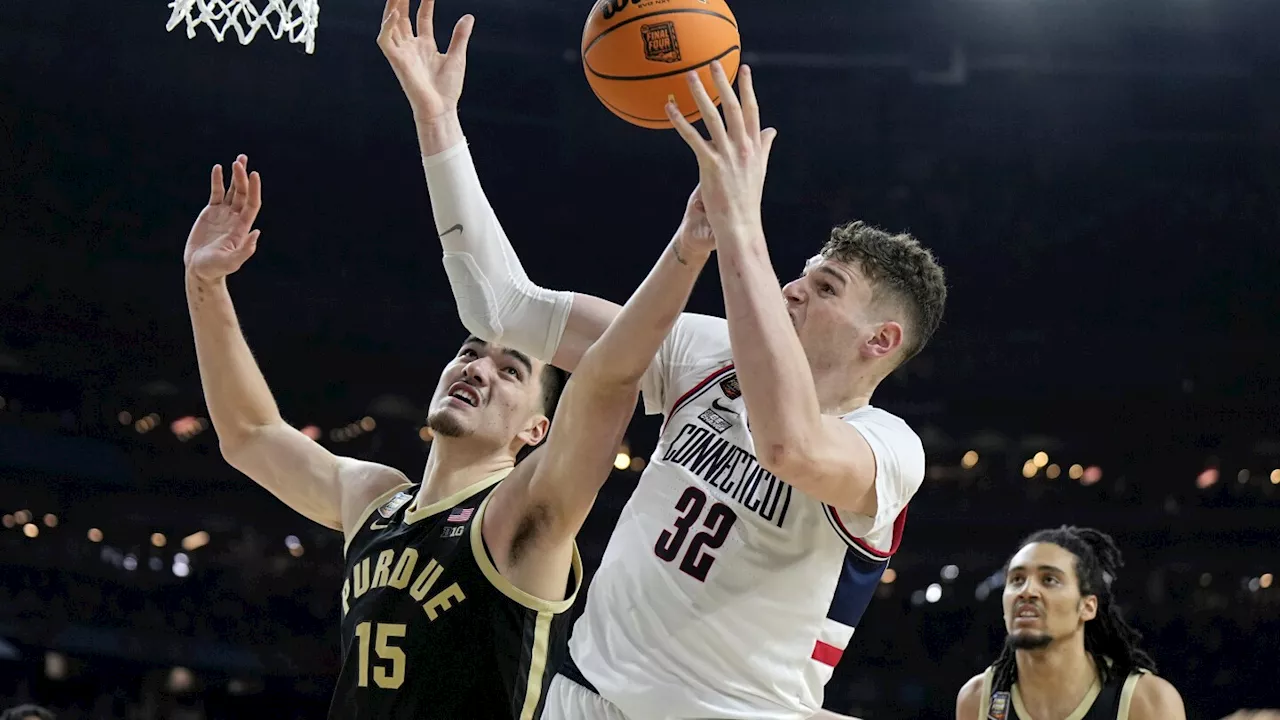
(513, 354)
(827, 270)
(1049, 568)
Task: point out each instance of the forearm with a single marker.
(235, 391)
(777, 384)
(435, 135)
(626, 349)
(496, 300)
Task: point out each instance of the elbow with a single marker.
(784, 457)
(478, 324)
(237, 445)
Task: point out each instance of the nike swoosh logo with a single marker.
(376, 526)
(716, 404)
(455, 228)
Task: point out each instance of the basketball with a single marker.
(635, 54)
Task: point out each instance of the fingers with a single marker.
(395, 18)
(239, 183)
(250, 244)
(710, 116)
(254, 203)
(750, 106)
(216, 188)
(687, 131)
(426, 19)
(461, 38)
(729, 104)
(766, 145)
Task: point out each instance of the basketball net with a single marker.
(247, 17)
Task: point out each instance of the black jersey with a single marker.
(1102, 702)
(430, 630)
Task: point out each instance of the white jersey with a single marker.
(724, 592)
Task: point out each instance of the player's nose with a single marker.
(478, 371)
(793, 292)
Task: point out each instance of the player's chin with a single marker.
(1029, 639)
(448, 421)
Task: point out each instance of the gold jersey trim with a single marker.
(1081, 710)
(538, 661)
(369, 509)
(984, 708)
(505, 586)
(1126, 693)
(415, 513)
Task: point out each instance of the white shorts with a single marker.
(567, 700)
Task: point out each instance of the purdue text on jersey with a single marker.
(430, 629)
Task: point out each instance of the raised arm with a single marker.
(822, 456)
(531, 528)
(497, 301)
(253, 437)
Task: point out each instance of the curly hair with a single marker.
(1111, 641)
(900, 270)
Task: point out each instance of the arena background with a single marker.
(1101, 180)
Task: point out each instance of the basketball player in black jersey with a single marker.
(456, 590)
(1069, 654)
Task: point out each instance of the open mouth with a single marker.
(465, 393)
(1026, 612)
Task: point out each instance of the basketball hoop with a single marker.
(296, 17)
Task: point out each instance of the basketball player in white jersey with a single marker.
(777, 494)
(479, 628)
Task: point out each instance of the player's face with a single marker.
(832, 309)
(1042, 601)
(491, 393)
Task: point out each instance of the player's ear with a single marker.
(536, 431)
(1088, 607)
(887, 339)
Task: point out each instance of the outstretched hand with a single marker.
(694, 236)
(223, 237)
(733, 163)
(432, 80)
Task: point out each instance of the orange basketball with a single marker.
(636, 52)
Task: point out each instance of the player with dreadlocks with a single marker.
(1069, 654)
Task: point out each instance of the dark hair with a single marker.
(899, 267)
(22, 712)
(1111, 641)
(553, 380)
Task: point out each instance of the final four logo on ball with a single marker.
(660, 42)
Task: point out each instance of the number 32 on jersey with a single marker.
(716, 523)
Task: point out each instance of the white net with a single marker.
(298, 18)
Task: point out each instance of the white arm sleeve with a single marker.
(496, 300)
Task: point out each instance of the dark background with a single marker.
(1101, 181)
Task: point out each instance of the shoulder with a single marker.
(883, 421)
(1155, 698)
(709, 325)
(969, 699)
(363, 484)
(362, 480)
(889, 434)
